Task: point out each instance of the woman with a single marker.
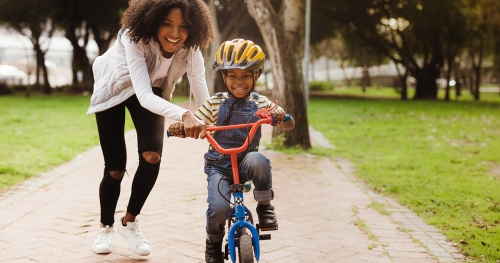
(160, 40)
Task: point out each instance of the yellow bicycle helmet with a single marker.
(239, 53)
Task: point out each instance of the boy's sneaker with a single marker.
(213, 252)
(267, 218)
(102, 244)
(135, 239)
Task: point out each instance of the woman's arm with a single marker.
(196, 74)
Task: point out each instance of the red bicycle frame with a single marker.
(265, 118)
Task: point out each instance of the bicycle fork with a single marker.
(240, 224)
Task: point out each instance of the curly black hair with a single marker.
(143, 18)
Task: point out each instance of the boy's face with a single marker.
(240, 81)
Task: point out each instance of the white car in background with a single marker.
(11, 75)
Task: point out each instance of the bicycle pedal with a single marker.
(268, 228)
(260, 228)
(265, 237)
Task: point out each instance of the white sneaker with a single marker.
(135, 239)
(102, 244)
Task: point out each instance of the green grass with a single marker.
(41, 132)
(387, 92)
(435, 157)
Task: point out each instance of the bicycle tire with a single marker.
(245, 250)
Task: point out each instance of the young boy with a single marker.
(241, 63)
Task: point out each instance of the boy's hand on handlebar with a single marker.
(278, 115)
(194, 127)
(176, 129)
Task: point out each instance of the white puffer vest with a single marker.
(113, 84)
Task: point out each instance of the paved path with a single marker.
(322, 210)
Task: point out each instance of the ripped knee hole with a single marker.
(117, 174)
(151, 157)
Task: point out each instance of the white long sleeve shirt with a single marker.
(129, 68)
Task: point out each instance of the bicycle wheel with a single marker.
(245, 250)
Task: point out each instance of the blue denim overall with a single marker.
(252, 165)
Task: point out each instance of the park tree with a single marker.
(210, 52)
(453, 42)
(482, 30)
(234, 21)
(493, 12)
(32, 18)
(104, 22)
(409, 32)
(83, 20)
(476, 42)
(282, 27)
(331, 49)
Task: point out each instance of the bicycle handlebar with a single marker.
(254, 125)
(265, 118)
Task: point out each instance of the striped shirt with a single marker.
(210, 109)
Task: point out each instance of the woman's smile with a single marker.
(172, 32)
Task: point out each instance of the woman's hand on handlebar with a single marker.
(193, 127)
(177, 130)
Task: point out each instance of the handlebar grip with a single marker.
(288, 118)
(170, 135)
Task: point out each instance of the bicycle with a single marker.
(241, 230)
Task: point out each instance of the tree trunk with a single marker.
(458, 89)
(209, 53)
(40, 58)
(363, 79)
(81, 61)
(404, 88)
(450, 61)
(364, 74)
(348, 80)
(102, 42)
(426, 87)
(403, 78)
(476, 66)
(477, 71)
(284, 42)
(477, 84)
(328, 78)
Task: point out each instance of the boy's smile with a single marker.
(239, 81)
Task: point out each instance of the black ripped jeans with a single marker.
(150, 131)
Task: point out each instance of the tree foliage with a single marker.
(426, 39)
(81, 20)
(413, 33)
(32, 18)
